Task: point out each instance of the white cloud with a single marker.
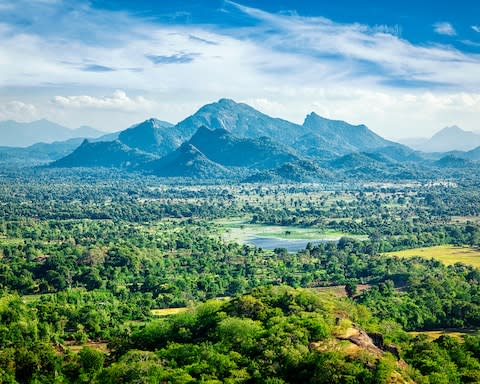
(285, 65)
(18, 110)
(118, 101)
(476, 28)
(444, 28)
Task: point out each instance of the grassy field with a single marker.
(457, 333)
(447, 254)
(167, 311)
(339, 290)
(96, 345)
(239, 230)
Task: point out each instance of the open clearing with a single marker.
(454, 332)
(339, 290)
(447, 254)
(241, 231)
(100, 346)
(168, 311)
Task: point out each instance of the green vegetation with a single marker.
(107, 278)
(241, 230)
(447, 254)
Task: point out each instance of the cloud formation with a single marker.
(179, 58)
(285, 64)
(97, 68)
(118, 101)
(18, 110)
(444, 28)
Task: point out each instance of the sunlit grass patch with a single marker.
(447, 254)
(454, 332)
(168, 311)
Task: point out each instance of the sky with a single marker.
(403, 68)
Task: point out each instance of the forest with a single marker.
(109, 278)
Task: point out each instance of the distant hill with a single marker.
(473, 154)
(41, 153)
(14, 134)
(449, 139)
(399, 153)
(358, 160)
(113, 154)
(38, 153)
(222, 147)
(370, 166)
(152, 135)
(187, 161)
(297, 171)
(451, 161)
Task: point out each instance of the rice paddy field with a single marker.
(447, 254)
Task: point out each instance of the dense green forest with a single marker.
(93, 260)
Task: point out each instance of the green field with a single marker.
(168, 311)
(447, 254)
(457, 333)
(240, 230)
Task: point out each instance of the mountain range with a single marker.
(226, 139)
(15, 134)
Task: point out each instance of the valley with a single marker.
(105, 264)
(222, 249)
(239, 192)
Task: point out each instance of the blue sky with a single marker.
(404, 68)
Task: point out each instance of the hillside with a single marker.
(187, 161)
(241, 120)
(297, 171)
(113, 154)
(224, 148)
(38, 153)
(153, 136)
(451, 161)
(317, 136)
(340, 137)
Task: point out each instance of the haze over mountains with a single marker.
(448, 139)
(14, 134)
(227, 139)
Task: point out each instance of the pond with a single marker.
(292, 245)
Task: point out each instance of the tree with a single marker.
(351, 289)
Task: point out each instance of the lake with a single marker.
(293, 245)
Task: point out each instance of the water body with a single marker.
(293, 245)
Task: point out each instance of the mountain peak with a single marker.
(451, 130)
(225, 101)
(154, 123)
(450, 139)
(311, 118)
(151, 135)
